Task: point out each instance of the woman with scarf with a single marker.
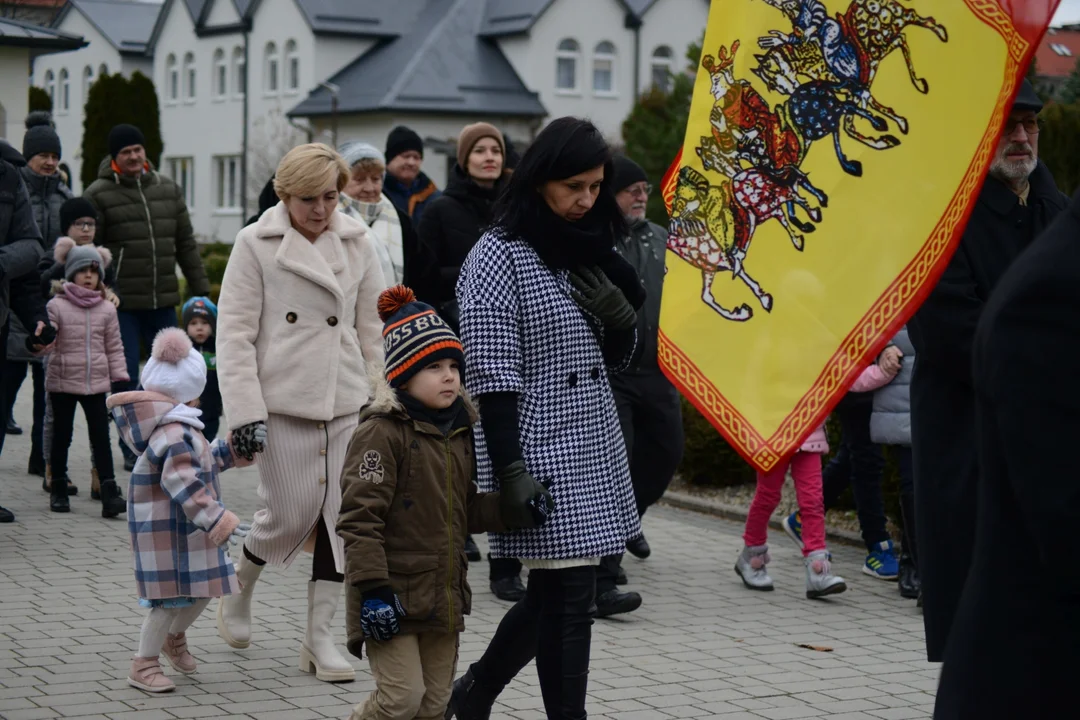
(547, 308)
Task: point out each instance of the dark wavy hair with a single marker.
(567, 147)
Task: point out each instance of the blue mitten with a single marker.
(381, 614)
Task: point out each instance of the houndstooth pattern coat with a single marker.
(523, 333)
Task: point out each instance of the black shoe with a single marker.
(112, 502)
(909, 583)
(6, 515)
(620, 577)
(129, 463)
(58, 497)
(639, 547)
(72, 489)
(471, 551)
(470, 700)
(12, 428)
(36, 466)
(616, 602)
(510, 589)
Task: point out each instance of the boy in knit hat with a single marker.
(199, 317)
(408, 500)
(178, 524)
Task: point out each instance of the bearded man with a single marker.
(1018, 201)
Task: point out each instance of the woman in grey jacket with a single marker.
(890, 424)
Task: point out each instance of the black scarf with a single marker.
(565, 245)
(446, 420)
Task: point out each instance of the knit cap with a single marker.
(414, 336)
(199, 306)
(627, 173)
(175, 367)
(79, 257)
(402, 139)
(73, 209)
(40, 135)
(354, 151)
(122, 136)
(472, 134)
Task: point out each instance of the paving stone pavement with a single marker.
(701, 646)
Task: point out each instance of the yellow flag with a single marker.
(833, 153)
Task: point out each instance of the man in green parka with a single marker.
(143, 220)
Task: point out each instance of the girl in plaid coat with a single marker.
(178, 525)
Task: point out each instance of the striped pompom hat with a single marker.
(414, 336)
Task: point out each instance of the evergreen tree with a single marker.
(1070, 91)
(106, 106)
(39, 99)
(145, 114)
(1059, 144)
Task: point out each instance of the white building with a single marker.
(434, 65)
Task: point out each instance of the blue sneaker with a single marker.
(792, 525)
(882, 563)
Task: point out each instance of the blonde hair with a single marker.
(308, 170)
(368, 166)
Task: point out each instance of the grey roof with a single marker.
(369, 18)
(439, 65)
(196, 9)
(512, 17)
(17, 34)
(125, 24)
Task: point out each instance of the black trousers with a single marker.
(97, 423)
(860, 463)
(650, 414)
(554, 625)
(5, 408)
(14, 375)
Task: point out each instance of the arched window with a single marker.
(87, 81)
(566, 65)
(189, 77)
(103, 70)
(270, 69)
(172, 79)
(239, 72)
(662, 67)
(292, 67)
(65, 90)
(221, 75)
(603, 69)
(50, 86)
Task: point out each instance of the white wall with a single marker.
(14, 84)
(69, 123)
(589, 23)
(676, 24)
(374, 128)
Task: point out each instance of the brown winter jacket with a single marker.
(408, 498)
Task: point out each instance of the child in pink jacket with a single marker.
(86, 359)
(805, 467)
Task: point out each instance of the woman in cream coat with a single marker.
(297, 330)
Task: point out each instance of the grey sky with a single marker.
(1068, 12)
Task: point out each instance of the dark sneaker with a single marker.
(112, 502)
(616, 602)
(13, 429)
(510, 589)
(639, 547)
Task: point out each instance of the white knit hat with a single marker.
(175, 368)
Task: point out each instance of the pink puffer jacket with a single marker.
(88, 356)
(871, 379)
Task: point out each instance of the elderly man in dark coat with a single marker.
(1015, 644)
(1017, 202)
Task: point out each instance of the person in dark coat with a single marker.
(406, 185)
(1017, 201)
(1017, 629)
(267, 199)
(649, 408)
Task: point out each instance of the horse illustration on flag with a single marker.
(867, 125)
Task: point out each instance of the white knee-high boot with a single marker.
(319, 653)
(234, 611)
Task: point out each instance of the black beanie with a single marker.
(73, 209)
(123, 136)
(627, 172)
(40, 139)
(402, 139)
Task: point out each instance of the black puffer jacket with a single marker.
(448, 230)
(47, 194)
(20, 245)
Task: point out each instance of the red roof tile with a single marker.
(1050, 61)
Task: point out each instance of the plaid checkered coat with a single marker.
(523, 333)
(179, 527)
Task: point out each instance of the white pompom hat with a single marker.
(175, 368)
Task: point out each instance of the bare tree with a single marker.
(270, 138)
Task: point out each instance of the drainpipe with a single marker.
(244, 132)
(633, 22)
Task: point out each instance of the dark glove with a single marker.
(249, 439)
(595, 293)
(542, 505)
(36, 342)
(381, 614)
(518, 496)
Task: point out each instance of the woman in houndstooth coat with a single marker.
(547, 307)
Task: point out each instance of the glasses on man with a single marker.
(1031, 125)
(84, 226)
(640, 190)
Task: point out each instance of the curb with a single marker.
(686, 501)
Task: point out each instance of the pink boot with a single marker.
(146, 675)
(177, 654)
